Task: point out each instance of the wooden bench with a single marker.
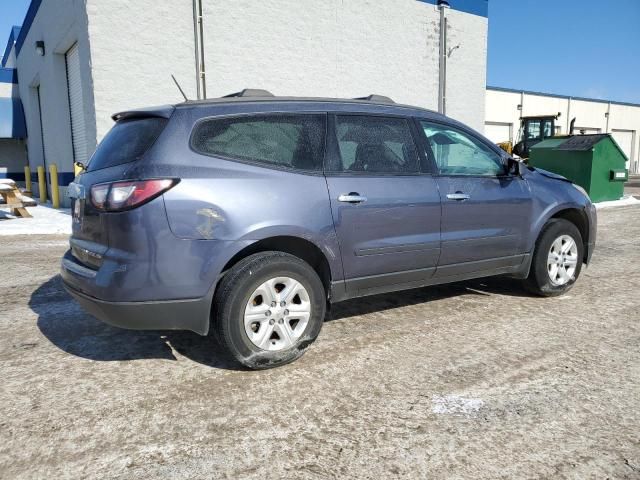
(14, 199)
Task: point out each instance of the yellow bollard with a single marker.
(42, 184)
(55, 190)
(27, 180)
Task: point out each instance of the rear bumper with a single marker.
(181, 314)
(158, 315)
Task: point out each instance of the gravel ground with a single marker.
(471, 380)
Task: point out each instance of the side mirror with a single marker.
(513, 167)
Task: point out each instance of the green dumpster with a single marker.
(595, 162)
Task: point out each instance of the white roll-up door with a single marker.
(624, 138)
(498, 132)
(74, 85)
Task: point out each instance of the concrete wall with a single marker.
(345, 49)
(59, 24)
(502, 108)
(466, 68)
(135, 47)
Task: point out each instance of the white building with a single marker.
(79, 62)
(504, 107)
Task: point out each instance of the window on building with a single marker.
(457, 153)
(380, 145)
(292, 141)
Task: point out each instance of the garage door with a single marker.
(498, 132)
(625, 139)
(74, 85)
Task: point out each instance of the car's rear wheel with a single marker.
(268, 309)
(557, 259)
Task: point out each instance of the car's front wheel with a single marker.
(557, 259)
(268, 309)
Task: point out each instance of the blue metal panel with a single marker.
(13, 36)
(26, 25)
(12, 123)
(15, 176)
(8, 75)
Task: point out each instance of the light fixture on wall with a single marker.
(40, 48)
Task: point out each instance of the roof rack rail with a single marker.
(250, 92)
(376, 98)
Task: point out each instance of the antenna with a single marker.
(179, 88)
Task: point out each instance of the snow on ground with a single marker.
(626, 200)
(455, 404)
(45, 221)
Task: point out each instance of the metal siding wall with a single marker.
(74, 83)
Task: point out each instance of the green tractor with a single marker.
(533, 130)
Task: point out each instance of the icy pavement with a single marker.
(45, 221)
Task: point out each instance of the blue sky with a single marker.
(587, 48)
(12, 13)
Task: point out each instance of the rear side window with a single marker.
(290, 141)
(126, 142)
(377, 145)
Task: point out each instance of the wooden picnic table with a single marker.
(15, 199)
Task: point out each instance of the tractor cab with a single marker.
(534, 130)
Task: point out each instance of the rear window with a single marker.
(290, 141)
(126, 142)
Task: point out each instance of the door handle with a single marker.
(352, 197)
(459, 196)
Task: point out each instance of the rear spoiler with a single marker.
(163, 111)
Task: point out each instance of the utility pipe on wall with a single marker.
(198, 35)
(442, 68)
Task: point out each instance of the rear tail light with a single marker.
(118, 196)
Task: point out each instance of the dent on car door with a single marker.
(386, 212)
(485, 212)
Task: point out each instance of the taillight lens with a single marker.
(118, 196)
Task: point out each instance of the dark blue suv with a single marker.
(244, 216)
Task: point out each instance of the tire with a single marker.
(540, 281)
(279, 337)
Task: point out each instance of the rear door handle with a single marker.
(352, 197)
(458, 196)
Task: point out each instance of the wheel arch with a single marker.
(296, 246)
(577, 216)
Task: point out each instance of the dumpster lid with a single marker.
(580, 143)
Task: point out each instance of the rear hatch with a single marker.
(120, 150)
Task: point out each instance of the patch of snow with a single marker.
(626, 200)
(45, 221)
(455, 405)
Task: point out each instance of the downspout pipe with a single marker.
(443, 5)
(201, 86)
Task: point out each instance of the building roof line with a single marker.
(566, 97)
(13, 36)
(26, 24)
